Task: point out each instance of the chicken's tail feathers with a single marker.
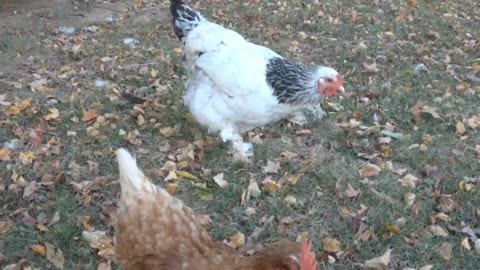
(131, 177)
(184, 18)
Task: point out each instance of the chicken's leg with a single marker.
(241, 150)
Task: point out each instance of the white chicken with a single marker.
(234, 86)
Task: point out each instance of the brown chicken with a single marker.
(156, 231)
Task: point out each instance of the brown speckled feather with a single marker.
(157, 231)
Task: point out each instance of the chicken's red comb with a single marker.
(307, 258)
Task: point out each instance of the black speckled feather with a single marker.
(184, 18)
(292, 83)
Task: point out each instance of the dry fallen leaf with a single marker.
(288, 154)
(460, 128)
(55, 218)
(105, 266)
(35, 138)
(13, 110)
(218, 179)
(351, 192)
(5, 226)
(421, 107)
(54, 114)
(379, 262)
(253, 189)
(186, 175)
(55, 256)
(465, 244)
(238, 239)
(271, 186)
(409, 199)
(372, 68)
(446, 250)
(85, 220)
(438, 230)
(101, 242)
(169, 131)
(291, 200)
(409, 181)
(412, 3)
(271, 167)
(392, 228)
(89, 115)
(138, 3)
(443, 216)
(39, 249)
(331, 245)
(30, 189)
(369, 170)
(171, 176)
(293, 179)
(5, 153)
(171, 188)
(42, 228)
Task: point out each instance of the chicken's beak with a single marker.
(341, 90)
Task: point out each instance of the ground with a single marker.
(394, 165)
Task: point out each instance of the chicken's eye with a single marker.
(329, 80)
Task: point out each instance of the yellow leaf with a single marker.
(65, 68)
(24, 104)
(186, 175)
(271, 186)
(412, 3)
(331, 245)
(238, 239)
(30, 155)
(171, 188)
(43, 88)
(392, 228)
(293, 180)
(13, 110)
(39, 249)
(138, 3)
(460, 128)
(42, 228)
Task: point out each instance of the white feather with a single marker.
(131, 177)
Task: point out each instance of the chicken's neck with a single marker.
(292, 83)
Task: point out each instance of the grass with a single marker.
(394, 35)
